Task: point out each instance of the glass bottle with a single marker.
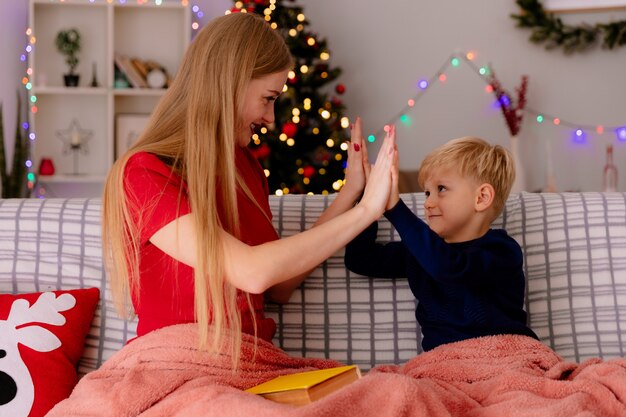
(610, 172)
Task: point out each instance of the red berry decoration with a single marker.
(335, 102)
(321, 67)
(290, 129)
(513, 112)
(340, 88)
(309, 171)
(262, 152)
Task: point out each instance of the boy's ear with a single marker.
(485, 193)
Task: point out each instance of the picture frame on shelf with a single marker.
(128, 128)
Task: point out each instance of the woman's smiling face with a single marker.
(258, 108)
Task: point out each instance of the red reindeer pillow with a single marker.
(41, 340)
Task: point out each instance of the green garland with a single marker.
(548, 29)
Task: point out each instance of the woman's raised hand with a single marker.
(379, 183)
(358, 168)
(357, 171)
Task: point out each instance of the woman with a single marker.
(187, 227)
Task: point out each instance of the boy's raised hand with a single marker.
(394, 195)
(378, 188)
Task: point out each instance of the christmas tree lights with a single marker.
(305, 150)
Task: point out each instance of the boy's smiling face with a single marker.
(450, 205)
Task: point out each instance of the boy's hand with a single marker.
(394, 195)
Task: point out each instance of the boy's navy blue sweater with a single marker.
(464, 290)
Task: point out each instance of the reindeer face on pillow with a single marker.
(41, 340)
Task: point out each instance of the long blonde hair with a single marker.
(193, 127)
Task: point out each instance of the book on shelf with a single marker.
(140, 66)
(305, 387)
(133, 76)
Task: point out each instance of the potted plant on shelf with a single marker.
(68, 43)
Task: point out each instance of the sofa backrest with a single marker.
(575, 260)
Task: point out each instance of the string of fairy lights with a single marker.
(579, 131)
(197, 15)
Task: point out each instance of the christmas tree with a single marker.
(305, 150)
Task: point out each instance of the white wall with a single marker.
(385, 48)
(384, 51)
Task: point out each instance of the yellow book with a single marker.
(305, 387)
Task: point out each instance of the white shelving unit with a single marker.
(159, 33)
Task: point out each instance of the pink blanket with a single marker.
(164, 374)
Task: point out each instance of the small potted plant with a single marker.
(68, 43)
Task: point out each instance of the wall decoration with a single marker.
(512, 108)
(128, 128)
(453, 62)
(75, 140)
(513, 112)
(578, 130)
(551, 31)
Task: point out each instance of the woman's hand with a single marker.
(358, 168)
(378, 189)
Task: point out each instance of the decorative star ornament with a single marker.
(75, 138)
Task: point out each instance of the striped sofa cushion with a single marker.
(575, 259)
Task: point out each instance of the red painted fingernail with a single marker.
(357, 147)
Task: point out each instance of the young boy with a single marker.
(467, 278)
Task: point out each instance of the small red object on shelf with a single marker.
(46, 167)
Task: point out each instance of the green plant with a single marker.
(550, 29)
(14, 182)
(68, 43)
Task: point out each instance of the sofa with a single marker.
(574, 247)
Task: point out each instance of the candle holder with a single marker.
(75, 140)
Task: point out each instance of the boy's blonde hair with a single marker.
(474, 158)
(193, 128)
